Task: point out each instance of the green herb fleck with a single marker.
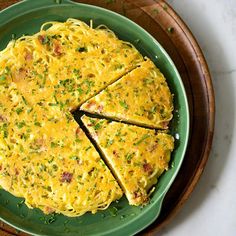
(124, 104)
(170, 30)
(19, 110)
(20, 124)
(155, 11)
(165, 7)
(42, 167)
(109, 142)
(145, 136)
(129, 156)
(76, 158)
(24, 100)
(87, 148)
(80, 90)
(89, 85)
(153, 110)
(20, 204)
(119, 66)
(36, 123)
(48, 219)
(98, 125)
(5, 131)
(113, 211)
(54, 166)
(2, 79)
(102, 163)
(81, 49)
(53, 144)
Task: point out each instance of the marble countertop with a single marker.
(211, 209)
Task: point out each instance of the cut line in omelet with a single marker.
(136, 155)
(141, 97)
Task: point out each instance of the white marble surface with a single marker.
(211, 209)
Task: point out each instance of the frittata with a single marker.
(45, 157)
(141, 97)
(136, 155)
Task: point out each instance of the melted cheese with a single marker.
(137, 156)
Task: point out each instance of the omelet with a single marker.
(45, 156)
(141, 97)
(67, 63)
(136, 155)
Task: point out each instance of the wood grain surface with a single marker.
(159, 19)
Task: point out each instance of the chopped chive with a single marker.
(129, 156)
(165, 7)
(19, 204)
(21, 124)
(87, 148)
(170, 30)
(36, 123)
(24, 100)
(113, 211)
(19, 110)
(155, 11)
(98, 125)
(142, 139)
(124, 104)
(81, 49)
(53, 145)
(2, 79)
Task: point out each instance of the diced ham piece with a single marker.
(100, 108)
(49, 210)
(3, 118)
(78, 131)
(28, 56)
(41, 38)
(66, 177)
(147, 168)
(57, 49)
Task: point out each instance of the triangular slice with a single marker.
(48, 160)
(141, 97)
(137, 156)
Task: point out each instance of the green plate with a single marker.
(120, 218)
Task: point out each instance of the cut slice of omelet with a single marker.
(141, 97)
(48, 160)
(68, 63)
(137, 156)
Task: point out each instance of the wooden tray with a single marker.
(159, 19)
